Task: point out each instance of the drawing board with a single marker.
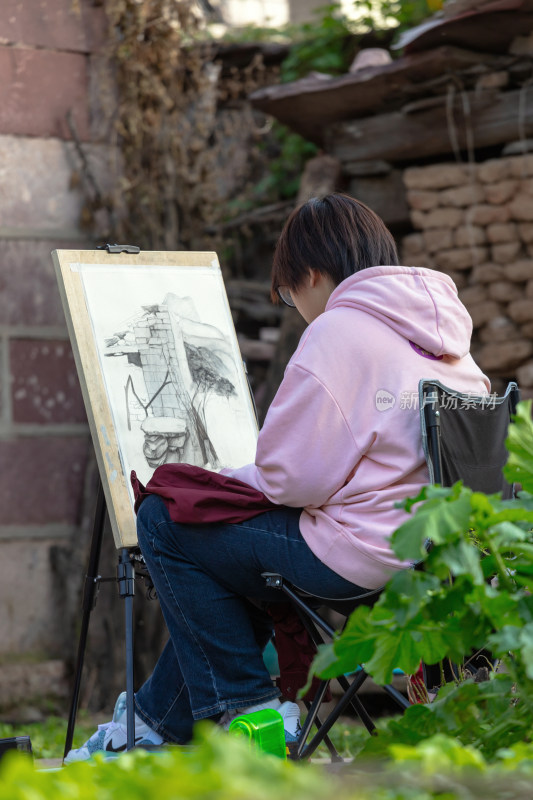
(159, 367)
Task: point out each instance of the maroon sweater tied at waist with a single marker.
(199, 497)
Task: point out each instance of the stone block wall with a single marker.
(49, 57)
(475, 222)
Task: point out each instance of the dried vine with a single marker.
(186, 137)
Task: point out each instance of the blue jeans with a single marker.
(204, 575)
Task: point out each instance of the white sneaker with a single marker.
(111, 737)
(291, 721)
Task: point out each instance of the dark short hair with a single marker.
(335, 234)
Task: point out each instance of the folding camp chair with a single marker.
(463, 438)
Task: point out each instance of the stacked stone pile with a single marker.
(475, 222)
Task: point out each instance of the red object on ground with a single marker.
(416, 687)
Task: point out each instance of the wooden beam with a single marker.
(310, 105)
(493, 119)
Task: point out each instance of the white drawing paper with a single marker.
(171, 366)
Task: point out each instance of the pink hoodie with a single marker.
(342, 436)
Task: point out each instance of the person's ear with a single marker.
(314, 276)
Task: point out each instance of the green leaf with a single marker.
(432, 645)
(519, 443)
(325, 657)
(357, 642)
(500, 608)
(325, 662)
(504, 520)
(505, 640)
(412, 727)
(440, 752)
(524, 609)
(409, 591)
(526, 645)
(462, 558)
(437, 519)
(398, 650)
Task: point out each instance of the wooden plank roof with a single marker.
(310, 105)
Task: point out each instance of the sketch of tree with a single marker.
(207, 371)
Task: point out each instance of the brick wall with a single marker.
(475, 222)
(50, 66)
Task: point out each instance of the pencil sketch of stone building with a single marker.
(178, 364)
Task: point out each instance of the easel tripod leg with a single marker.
(126, 586)
(89, 599)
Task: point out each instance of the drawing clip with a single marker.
(120, 248)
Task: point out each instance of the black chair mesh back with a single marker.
(464, 439)
(471, 431)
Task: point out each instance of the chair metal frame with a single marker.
(315, 625)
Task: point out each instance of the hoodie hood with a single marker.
(420, 304)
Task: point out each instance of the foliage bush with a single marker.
(219, 767)
(486, 544)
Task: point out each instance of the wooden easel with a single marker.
(70, 268)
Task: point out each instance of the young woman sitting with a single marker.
(340, 446)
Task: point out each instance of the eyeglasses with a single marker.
(284, 294)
